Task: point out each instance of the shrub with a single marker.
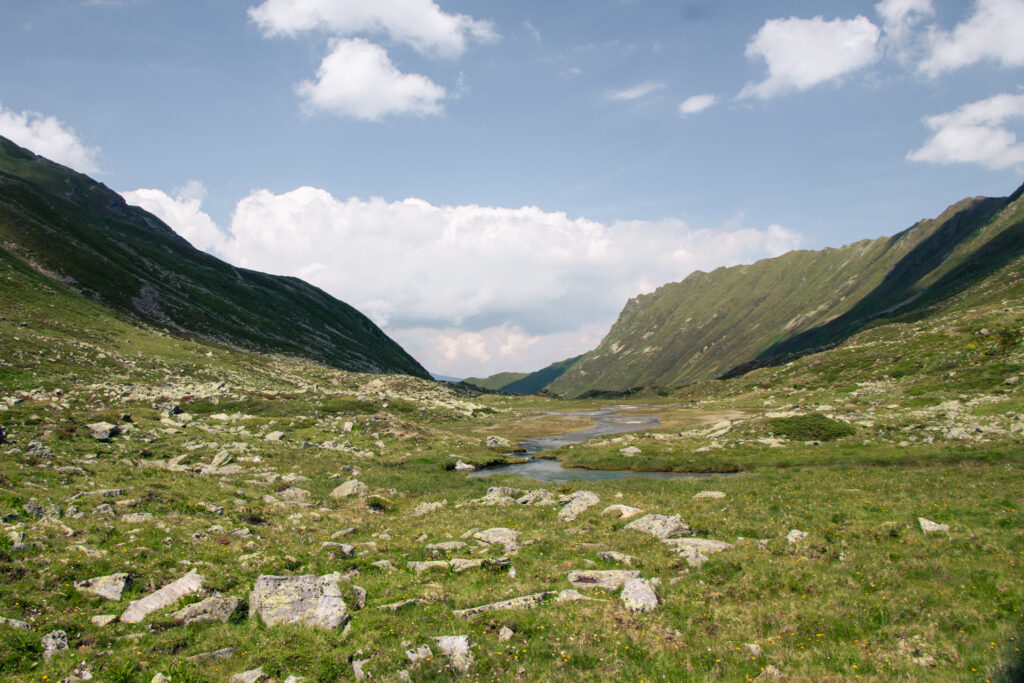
(813, 427)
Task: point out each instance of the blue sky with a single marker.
(491, 181)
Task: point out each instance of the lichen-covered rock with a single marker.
(310, 599)
(930, 527)
(209, 611)
(165, 597)
(508, 538)
(536, 497)
(274, 436)
(250, 676)
(420, 567)
(623, 511)
(617, 557)
(14, 623)
(576, 504)
(522, 602)
(294, 494)
(497, 442)
(795, 536)
(350, 489)
(457, 649)
(660, 526)
(704, 545)
(54, 642)
(609, 579)
(446, 547)
(427, 508)
(638, 596)
(109, 587)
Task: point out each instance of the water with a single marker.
(607, 421)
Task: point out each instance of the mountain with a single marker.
(495, 382)
(82, 234)
(523, 383)
(734, 319)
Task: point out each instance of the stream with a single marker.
(606, 421)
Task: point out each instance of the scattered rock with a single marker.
(505, 634)
(573, 595)
(612, 556)
(660, 526)
(499, 495)
(446, 547)
(420, 567)
(351, 488)
(294, 495)
(427, 508)
(109, 587)
(638, 596)
(929, 526)
(536, 497)
(250, 676)
(420, 654)
(223, 653)
(138, 517)
(165, 597)
(464, 467)
(102, 620)
(705, 545)
(523, 602)
(623, 511)
(209, 611)
(497, 442)
(274, 436)
(343, 549)
(770, 673)
(630, 451)
(576, 504)
(500, 535)
(309, 599)
(1012, 380)
(54, 642)
(709, 494)
(755, 649)
(103, 431)
(457, 650)
(609, 579)
(795, 536)
(395, 606)
(357, 669)
(14, 623)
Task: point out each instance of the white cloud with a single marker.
(636, 92)
(803, 53)
(900, 16)
(419, 23)
(975, 134)
(182, 213)
(697, 103)
(49, 137)
(994, 31)
(358, 79)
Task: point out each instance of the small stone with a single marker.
(497, 442)
(457, 648)
(1012, 380)
(795, 536)
(103, 431)
(109, 587)
(420, 654)
(573, 595)
(929, 526)
(15, 623)
(619, 558)
(102, 620)
(709, 494)
(537, 497)
(54, 642)
(427, 508)
(464, 467)
(630, 451)
(357, 669)
(342, 549)
(446, 547)
(160, 678)
(660, 526)
(420, 567)
(294, 495)
(755, 649)
(638, 596)
(770, 673)
(350, 489)
(505, 634)
(138, 518)
(609, 579)
(623, 511)
(274, 436)
(250, 676)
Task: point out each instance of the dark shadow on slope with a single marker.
(895, 296)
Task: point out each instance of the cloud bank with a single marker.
(467, 289)
(49, 137)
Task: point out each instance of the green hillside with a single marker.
(718, 323)
(541, 379)
(495, 382)
(81, 233)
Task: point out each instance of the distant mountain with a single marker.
(445, 378)
(734, 319)
(80, 233)
(523, 383)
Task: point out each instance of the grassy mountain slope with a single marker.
(541, 379)
(495, 382)
(711, 323)
(84, 235)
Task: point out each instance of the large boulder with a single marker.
(311, 600)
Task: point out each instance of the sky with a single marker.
(491, 181)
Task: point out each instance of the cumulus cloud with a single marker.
(900, 16)
(636, 92)
(975, 133)
(993, 32)
(358, 79)
(182, 213)
(803, 53)
(697, 103)
(48, 137)
(419, 23)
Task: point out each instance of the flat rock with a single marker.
(446, 547)
(165, 597)
(311, 600)
(704, 545)
(929, 527)
(103, 431)
(460, 565)
(638, 596)
(426, 509)
(660, 526)
(294, 495)
(250, 676)
(109, 587)
(573, 595)
(508, 538)
(102, 620)
(714, 495)
(613, 556)
(536, 497)
(274, 436)
(577, 503)
(395, 606)
(343, 549)
(14, 623)
(630, 451)
(522, 602)
(138, 517)
(351, 488)
(209, 611)
(609, 579)
(623, 511)
(457, 649)
(464, 467)
(420, 567)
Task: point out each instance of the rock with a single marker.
(929, 526)
(499, 495)
(576, 504)
(457, 649)
(102, 620)
(343, 549)
(719, 429)
(623, 511)
(160, 678)
(609, 579)
(427, 508)
(250, 676)
(1012, 380)
(573, 595)
(795, 536)
(660, 526)
(460, 565)
(420, 567)
(693, 557)
(311, 600)
(54, 642)
(537, 497)
(505, 634)
(165, 597)
(294, 495)
(221, 459)
(638, 596)
(294, 679)
(14, 623)
(755, 649)
(109, 587)
(274, 436)
(630, 451)
(138, 517)
(500, 535)
(704, 545)
(209, 611)
(420, 654)
(395, 606)
(464, 467)
(105, 510)
(770, 673)
(612, 556)
(497, 442)
(103, 431)
(357, 669)
(351, 488)
(223, 653)
(709, 494)
(523, 602)
(383, 564)
(446, 547)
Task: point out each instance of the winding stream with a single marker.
(606, 421)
